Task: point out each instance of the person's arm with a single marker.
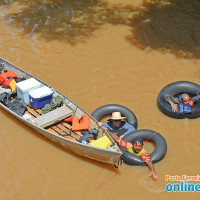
(174, 106)
(169, 98)
(120, 142)
(130, 128)
(146, 158)
(115, 137)
(152, 173)
(105, 124)
(174, 102)
(196, 99)
(100, 123)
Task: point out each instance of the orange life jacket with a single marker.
(191, 103)
(79, 124)
(10, 82)
(5, 74)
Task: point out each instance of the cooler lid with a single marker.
(40, 92)
(27, 84)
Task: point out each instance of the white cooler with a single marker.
(24, 87)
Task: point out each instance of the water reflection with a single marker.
(167, 25)
(62, 20)
(171, 25)
(66, 20)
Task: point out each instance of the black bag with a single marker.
(5, 98)
(17, 105)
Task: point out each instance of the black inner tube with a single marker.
(119, 132)
(175, 89)
(158, 153)
(108, 109)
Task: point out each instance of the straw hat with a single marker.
(116, 115)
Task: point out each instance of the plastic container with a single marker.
(40, 97)
(84, 142)
(24, 87)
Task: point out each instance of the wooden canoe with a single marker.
(57, 130)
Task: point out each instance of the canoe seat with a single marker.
(53, 116)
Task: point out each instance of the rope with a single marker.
(149, 137)
(111, 176)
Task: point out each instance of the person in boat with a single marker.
(115, 123)
(136, 148)
(184, 101)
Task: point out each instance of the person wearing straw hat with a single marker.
(137, 149)
(115, 123)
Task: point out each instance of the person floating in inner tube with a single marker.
(136, 148)
(116, 123)
(184, 102)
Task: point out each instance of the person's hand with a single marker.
(121, 136)
(174, 106)
(105, 128)
(100, 123)
(153, 174)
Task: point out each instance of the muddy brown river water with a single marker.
(97, 53)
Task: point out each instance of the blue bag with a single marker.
(185, 108)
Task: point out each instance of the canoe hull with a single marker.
(110, 155)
